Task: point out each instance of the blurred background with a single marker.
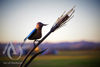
(77, 44)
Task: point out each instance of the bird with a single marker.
(36, 33)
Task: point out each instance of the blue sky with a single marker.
(19, 17)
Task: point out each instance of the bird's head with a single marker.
(40, 25)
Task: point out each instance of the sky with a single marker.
(19, 17)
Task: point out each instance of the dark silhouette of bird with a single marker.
(36, 33)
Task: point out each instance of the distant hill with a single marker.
(82, 45)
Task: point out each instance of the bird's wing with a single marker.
(32, 33)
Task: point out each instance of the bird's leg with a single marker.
(35, 41)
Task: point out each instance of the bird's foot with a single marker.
(35, 41)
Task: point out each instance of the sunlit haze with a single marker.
(19, 17)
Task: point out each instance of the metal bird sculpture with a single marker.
(36, 33)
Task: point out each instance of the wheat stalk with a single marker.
(63, 19)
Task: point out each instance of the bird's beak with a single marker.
(45, 24)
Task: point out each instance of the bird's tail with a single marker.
(25, 39)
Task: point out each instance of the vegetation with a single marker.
(62, 59)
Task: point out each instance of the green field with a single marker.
(63, 59)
